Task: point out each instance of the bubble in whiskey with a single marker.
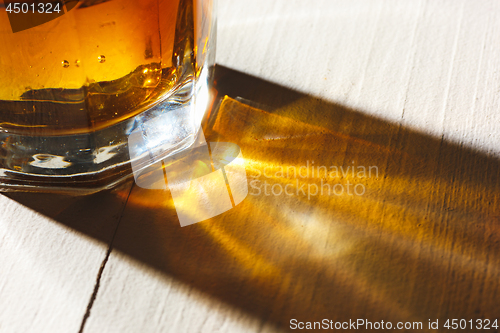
(101, 58)
(77, 63)
(65, 63)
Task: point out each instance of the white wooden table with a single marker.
(411, 87)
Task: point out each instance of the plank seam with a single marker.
(101, 269)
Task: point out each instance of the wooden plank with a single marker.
(51, 250)
(408, 87)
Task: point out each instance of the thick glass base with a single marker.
(91, 162)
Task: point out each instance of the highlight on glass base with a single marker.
(205, 180)
(74, 88)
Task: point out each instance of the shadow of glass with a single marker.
(348, 216)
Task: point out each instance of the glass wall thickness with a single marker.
(75, 84)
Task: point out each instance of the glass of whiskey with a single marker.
(78, 77)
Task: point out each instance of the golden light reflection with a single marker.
(391, 253)
(245, 255)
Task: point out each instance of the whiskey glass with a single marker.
(78, 77)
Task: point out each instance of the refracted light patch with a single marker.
(104, 154)
(48, 161)
(205, 180)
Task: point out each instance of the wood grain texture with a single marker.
(51, 250)
(405, 86)
(410, 87)
(430, 64)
